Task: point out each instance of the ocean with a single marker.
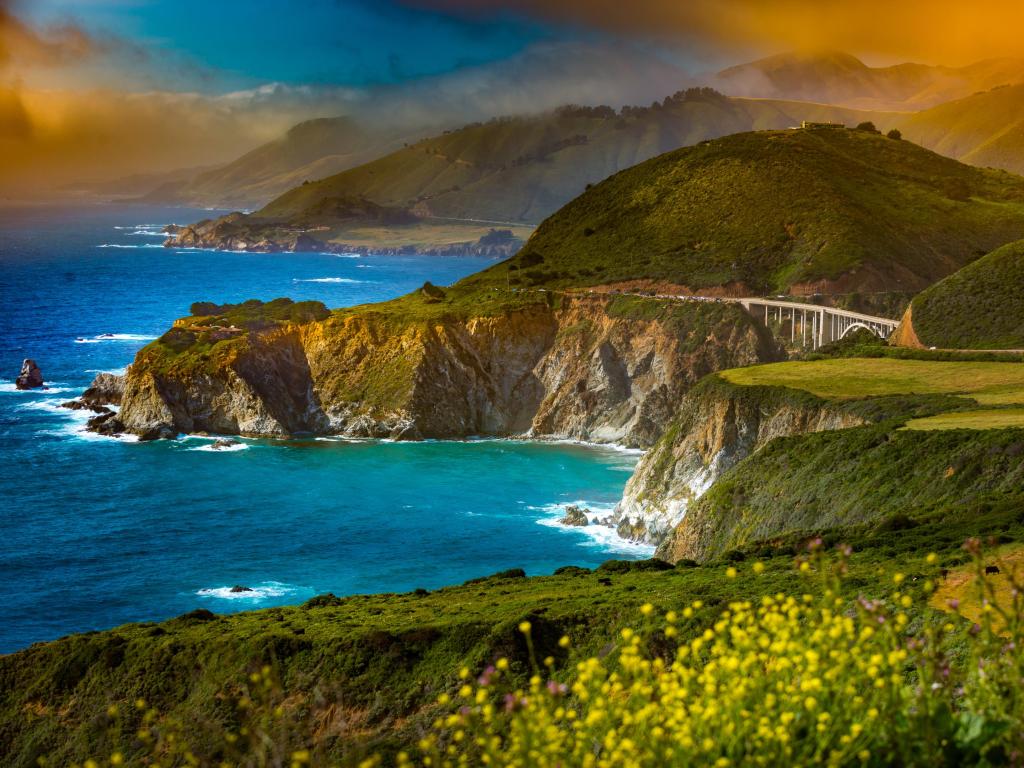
(96, 532)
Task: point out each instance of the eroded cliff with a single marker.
(718, 425)
(596, 368)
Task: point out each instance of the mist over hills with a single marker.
(310, 150)
(844, 80)
(522, 169)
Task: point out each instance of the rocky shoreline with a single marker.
(229, 234)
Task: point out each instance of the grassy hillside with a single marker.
(863, 475)
(988, 383)
(523, 169)
(775, 211)
(839, 78)
(944, 438)
(311, 150)
(984, 129)
(979, 307)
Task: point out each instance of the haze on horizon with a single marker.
(108, 88)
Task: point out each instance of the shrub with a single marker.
(895, 134)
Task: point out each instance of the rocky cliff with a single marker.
(603, 369)
(718, 425)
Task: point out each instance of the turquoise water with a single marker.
(96, 532)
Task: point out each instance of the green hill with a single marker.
(839, 78)
(311, 150)
(979, 307)
(521, 169)
(806, 210)
(985, 129)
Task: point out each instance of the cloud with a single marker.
(54, 46)
(940, 31)
(49, 138)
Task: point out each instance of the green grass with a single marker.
(979, 307)
(987, 383)
(989, 418)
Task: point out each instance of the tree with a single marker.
(894, 134)
(868, 126)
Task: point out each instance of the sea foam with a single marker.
(261, 591)
(327, 280)
(100, 338)
(593, 536)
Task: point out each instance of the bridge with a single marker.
(812, 325)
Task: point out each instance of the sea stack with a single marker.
(31, 377)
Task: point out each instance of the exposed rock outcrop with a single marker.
(106, 390)
(718, 425)
(905, 335)
(575, 516)
(30, 377)
(584, 369)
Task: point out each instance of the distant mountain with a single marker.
(310, 150)
(979, 307)
(985, 129)
(521, 169)
(774, 211)
(842, 79)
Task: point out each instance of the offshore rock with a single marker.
(31, 377)
(575, 516)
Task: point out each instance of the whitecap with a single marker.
(122, 245)
(111, 371)
(50, 388)
(261, 591)
(211, 448)
(326, 280)
(114, 337)
(594, 536)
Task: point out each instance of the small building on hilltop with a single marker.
(808, 125)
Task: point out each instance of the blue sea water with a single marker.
(96, 532)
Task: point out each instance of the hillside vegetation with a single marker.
(979, 307)
(777, 211)
(936, 438)
(984, 129)
(521, 169)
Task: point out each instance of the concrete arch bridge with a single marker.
(811, 325)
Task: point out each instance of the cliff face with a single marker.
(591, 368)
(717, 426)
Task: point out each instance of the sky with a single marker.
(102, 88)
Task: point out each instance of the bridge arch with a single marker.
(857, 324)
